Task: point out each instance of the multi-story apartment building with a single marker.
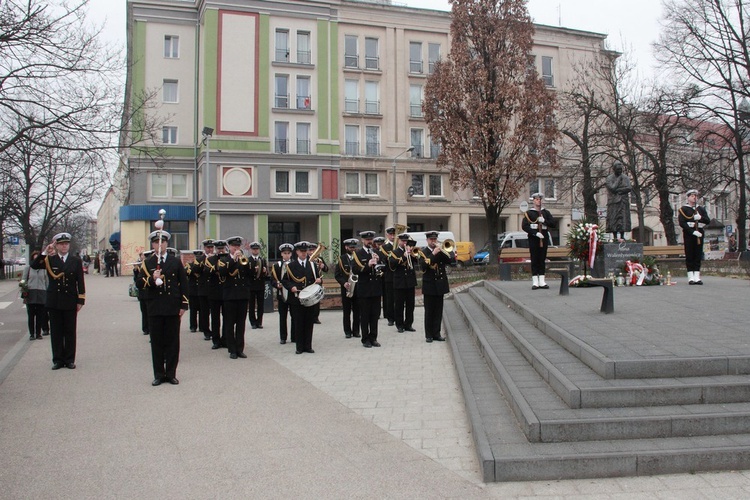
(309, 109)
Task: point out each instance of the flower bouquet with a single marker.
(24, 286)
(642, 274)
(584, 242)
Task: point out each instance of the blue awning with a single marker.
(114, 238)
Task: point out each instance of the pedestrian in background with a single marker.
(36, 297)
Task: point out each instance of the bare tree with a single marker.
(488, 109)
(705, 44)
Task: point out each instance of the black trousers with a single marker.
(404, 307)
(351, 313)
(216, 333)
(693, 252)
(303, 321)
(144, 316)
(204, 315)
(433, 315)
(255, 305)
(538, 257)
(235, 315)
(38, 319)
(283, 315)
(369, 313)
(62, 324)
(165, 345)
(388, 301)
(194, 305)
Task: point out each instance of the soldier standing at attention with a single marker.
(536, 223)
(257, 285)
(165, 280)
(434, 285)
(348, 304)
(66, 294)
(299, 275)
(692, 218)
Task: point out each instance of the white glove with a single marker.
(697, 234)
(696, 216)
(540, 236)
(691, 224)
(534, 226)
(540, 219)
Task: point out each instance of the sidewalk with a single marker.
(345, 422)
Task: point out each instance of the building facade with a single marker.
(287, 120)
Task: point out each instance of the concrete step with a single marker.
(506, 455)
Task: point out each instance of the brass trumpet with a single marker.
(416, 252)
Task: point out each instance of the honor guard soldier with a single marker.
(403, 261)
(278, 271)
(388, 293)
(235, 269)
(216, 293)
(193, 271)
(257, 285)
(537, 222)
(369, 271)
(300, 274)
(320, 268)
(434, 285)
(204, 316)
(66, 294)
(347, 280)
(165, 280)
(692, 218)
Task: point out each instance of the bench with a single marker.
(564, 279)
(608, 298)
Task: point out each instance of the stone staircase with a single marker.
(545, 404)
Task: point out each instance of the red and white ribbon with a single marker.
(593, 241)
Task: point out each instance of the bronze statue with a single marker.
(618, 203)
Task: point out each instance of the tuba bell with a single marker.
(316, 253)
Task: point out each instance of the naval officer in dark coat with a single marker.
(66, 294)
(434, 285)
(163, 277)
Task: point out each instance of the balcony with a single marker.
(415, 66)
(304, 57)
(372, 149)
(417, 152)
(351, 105)
(352, 148)
(351, 61)
(372, 62)
(282, 55)
(303, 102)
(281, 146)
(281, 101)
(303, 146)
(415, 110)
(372, 107)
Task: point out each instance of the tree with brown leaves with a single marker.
(488, 108)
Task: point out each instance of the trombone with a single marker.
(447, 246)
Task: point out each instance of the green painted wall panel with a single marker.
(334, 96)
(324, 130)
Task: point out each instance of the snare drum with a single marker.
(311, 295)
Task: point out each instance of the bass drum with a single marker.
(311, 295)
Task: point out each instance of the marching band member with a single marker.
(204, 316)
(277, 273)
(388, 293)
(434, 285)
(321, 267)
(300, 274)
(536, 223)
(349, 305)
(193, 271)
(692, 219)
(215, 293)
(257, 285)
(367, 267)
(235, 270)
(404, 282)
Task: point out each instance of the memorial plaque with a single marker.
(616, 254)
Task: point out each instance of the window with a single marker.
(415, 101)
(281, 99)
(434, 149)
(435, 184)
(351, 58)
(303, 138)
(547, 76)
(169, 135)
(278, 233)
(282, 137)
(282, 181)
(433, 56)
(415, 57)
(179, 231)
(417, 142)
(372, 104)
(371, 53)
(351, 96)
(169, 91)
(164, 186)
(303, 92)
(302, 182)
(372, 141)
(353, 187)
(282, 46)
(351, 134)
(545, 186)
(304, 54)
(171, 46)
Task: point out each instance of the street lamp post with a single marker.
(393, 192)
(207, 133)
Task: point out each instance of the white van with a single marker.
(421, 239)
(515, 239)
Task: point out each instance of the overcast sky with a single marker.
(630, 24)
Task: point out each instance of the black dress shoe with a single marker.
(699, 282)
(157, 381)
(71, 366)
(439, 339)
(310, 351)
(297, 352)
(356, 335)
(206, 337)
(367, 344)
(282, 342)
(253, 327)
(39, 336)
(260, 326)
(410, 329)
(45, 332)
(545, 287)
(375, 343)
(57, 366)
(31, 337)
(391, 323)
(233, 356)
(429, 341)
(215, 346)
(317, 321)
(534, 287)
(241, 355)
(145, 333)
(193, 330)
(400, 330)
(348, 335)
(173, 381)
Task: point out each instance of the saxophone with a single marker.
(353, 279)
